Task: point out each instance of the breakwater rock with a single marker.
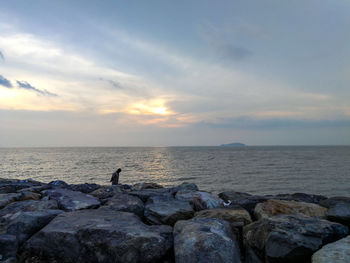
(59, 222)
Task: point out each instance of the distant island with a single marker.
(235, 144)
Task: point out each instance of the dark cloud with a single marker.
(27, 86)
(233, 52)
(114, 84)
(5, 82)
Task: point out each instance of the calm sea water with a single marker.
(258, 170)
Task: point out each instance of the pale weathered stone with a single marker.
(336, 252)
(281, 207)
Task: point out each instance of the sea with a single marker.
(321, 170)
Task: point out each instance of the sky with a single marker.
(174, 73)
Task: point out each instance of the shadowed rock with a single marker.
(14, 185)
(301, 197)
(105, 192)
(6, 199)
(84, 188)
(8, 247)
(71, 200)
(286, 238)
(144, 185)
(147, 193)
(168, 212)
(28, 206)
(338, 209)
(185, 187)
(126, 203)
(98, 236)
(205, 240)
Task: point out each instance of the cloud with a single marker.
(233, 52)
(5, 82)
(114, 84)
(27, 86)
(2, 57)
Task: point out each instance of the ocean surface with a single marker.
(258, 170)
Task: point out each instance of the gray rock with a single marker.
(144, 185)
(168, 212)
(14, 185)
(286, 238)
(72, 200)
(126, 203)
(58, 183)
(28, 206)
(200, 200)
(301, 197)
(6, 199)
(205, 240)
(338, 209)
(24, 224)
(336, 252)
(238, 217)
(98, 236)
(84, 188)
(8, 247)
(186, 187)
(147, 193)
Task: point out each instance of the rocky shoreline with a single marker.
(60, 222)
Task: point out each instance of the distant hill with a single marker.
(235, 144)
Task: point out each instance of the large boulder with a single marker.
(24, 224)
(185, 187)
(247, 201)
(14, 185)
(286, 238)
(84, 188)
(167, 212)
(205, 240)
(126, 203)
(336, 252)
(338, 209)
(274, 207)
(6, 199)
(28, 206)
(8, 247)
(200, 200)
(238, 217)
(145, 194)
(71, 200)
(98, 236)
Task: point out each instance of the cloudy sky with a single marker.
(159, 73)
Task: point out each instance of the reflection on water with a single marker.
(263, 170)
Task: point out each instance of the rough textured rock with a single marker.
(71, 200)
(338, 209)
(200, 200)
(239, 217)
(245, 200)
(8, 247)
(144, 185)
(168, 212)
(6, 199)
(25, 224)
(58, 183)
(145, 194)
(186, 187)
(28, 206)
(14, 185)
(336, 252)
(282, 207)
(98, 236)
(29, 195)
(205, 240)
(286, 238)
(301, 197)
(105, 192)
(126, 203)
(84, 188)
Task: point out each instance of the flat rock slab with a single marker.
(98, 236)
(168, 212)
(336, 252)
(286, 238)
(28, 206)
(281, 207)
(24, 224)
(71, 200)
(200, 200)
(205, 240)
(338, 209)
(125, 203)
(238, 217)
